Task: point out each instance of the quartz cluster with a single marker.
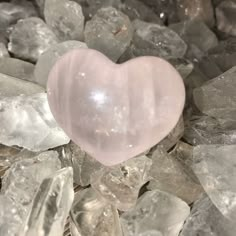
(183, 186)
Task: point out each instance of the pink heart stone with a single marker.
(114, 112)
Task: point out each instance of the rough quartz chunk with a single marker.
(30, 38)
(215, 167)
(3, 51)
(183, 66)
(110, 32)
(92, 216)
(10, 86)
(156, 40)
(65, 18)
(51, 205)
(48, 58)
(120, 184)
(168, 175)
(26, 121)
(156, 213)
(17, 68)
(217, 97)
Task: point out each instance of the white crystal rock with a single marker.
(26, 121)
(51, 205)
(215, 167)
(157, 214)
(48, 59)
(10, 86)
(65, 18)
(120, 184)
(17, 68)
(110, 32)
(217, 97)
(93, 216)
(30, 38)
(168, 175)
(3, 51)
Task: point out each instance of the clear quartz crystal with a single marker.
(65, 18)
(156, 213)
(26, 121)
(92, 216)
(57, 192)
(120, 184)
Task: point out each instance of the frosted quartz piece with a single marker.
(65, 18)
(49, 58)
(156, 213)
(30, 38)
(26, 121)
(10, 86)
(17, 68)
(51, 205)
(120, 184)
(215, 165)
(110, 32)
(93, 216)
(115, 112)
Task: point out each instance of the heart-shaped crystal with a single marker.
(114, 112)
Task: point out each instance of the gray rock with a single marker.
(110, 32)
(65, 18)
(3, 51)
(26, 121)
(49, 57)
(156, 213)
(30, 38)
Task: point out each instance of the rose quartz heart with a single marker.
(114, 112)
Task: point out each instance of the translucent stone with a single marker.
(117, 119)
(120, 184)
(110, 32)
(30, 38)
(156, 213)
(26, 121)
(215, 165)
(196, 32)
(10, 86)
(205, 219)
(168, 175)
(3, 51)
(83, 164)
(17, 68)
(217, 98)
(93, 216)
(65, 18)
(226, 17)
(48, 59)
(197, 9)
(156, 40)
(51, 205)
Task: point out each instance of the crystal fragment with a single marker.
(155, 40)
(3, 51)
(214, 165)
(110, 32)
(10, 86)
(156, 213)
(168, 175)
(48, 59)
(26, 121)
(51, 205)
(183, 66)
(197, 9)
(196, 32)
(17, 68)
(65, 18)
(217, 97)
(120, 184)
(93, 216)
(226, 17)
(30, 38)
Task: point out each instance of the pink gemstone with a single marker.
(115, 112)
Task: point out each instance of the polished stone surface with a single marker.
(116, 113)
